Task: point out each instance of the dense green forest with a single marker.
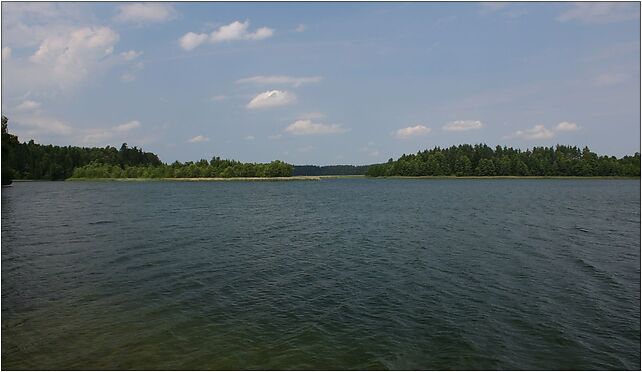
(30, 160)
(481, 160)
(216, 167)
(330, 170)
(33, 161)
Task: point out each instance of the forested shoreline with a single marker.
(482, 160)
(33, 161)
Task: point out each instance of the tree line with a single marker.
(482, 160)
(216, 167)
(30, 160)
(33, 161)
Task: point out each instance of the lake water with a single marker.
(347, 274)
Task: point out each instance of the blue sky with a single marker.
(322, 83)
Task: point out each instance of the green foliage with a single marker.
(201, 169)
(34, 161)
(481, 160)
(30, 160)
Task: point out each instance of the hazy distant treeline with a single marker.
(481, 160)
(330, 170)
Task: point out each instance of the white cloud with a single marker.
(271, 98)
(463, 125)
(300, 28)
(219, 97)
(535, 133)
(275, 136)
(566, 126)
(145, 12)
(102, 136)
(66, 60)
(197, 139)
(307, 127)
(249, 138)
(6, 53)
(43, 125)
(232, 32)
(280, 79)
(28, 105)
(127, 126)
(191, 40)
(130, 55)
(238, 31)
(600, 12)
(409, 132)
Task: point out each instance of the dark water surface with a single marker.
(349, 274)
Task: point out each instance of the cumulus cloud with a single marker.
(600, 12)
(28, 105)
(536, 133)
(232, 32)
(409, 132)
(540, 132)
(96, 136)
(300, 28)
(271, 98)
(145, 12)
(280, 79)
(198, 139)
(37, 124)
(6, 53)
(65, 60)
(307, 127)
(191, 40)
(463, 125)
(566, 126)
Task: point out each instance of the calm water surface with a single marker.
(349, 274)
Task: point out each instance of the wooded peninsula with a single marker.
(32, 161)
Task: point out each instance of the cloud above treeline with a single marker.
(463, 125)
(541, 132)
(197, 139)
(414, 131)
(232, 32)
(303, 127)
